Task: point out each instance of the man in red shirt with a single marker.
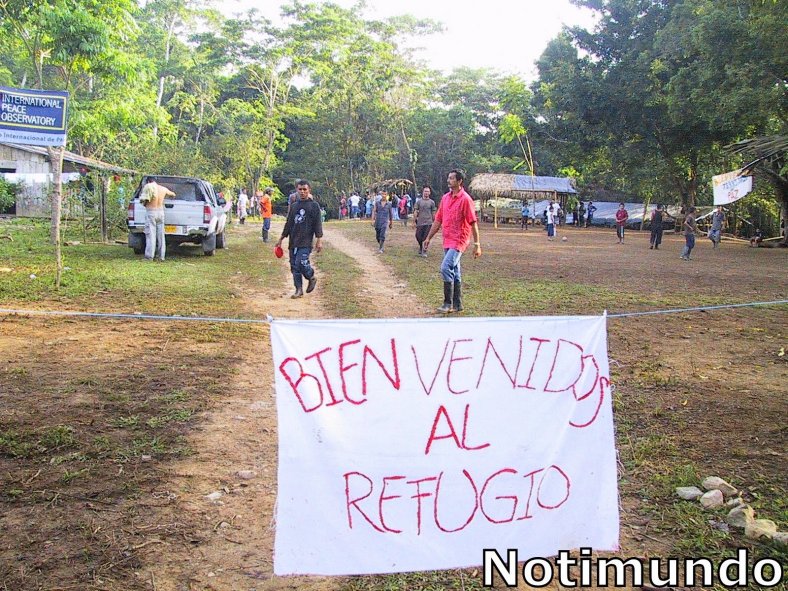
(621, 221)
(457, 215)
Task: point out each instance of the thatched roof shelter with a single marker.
(517, 186)
(392, 184)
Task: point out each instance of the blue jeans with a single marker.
(690, 238)
(450, 266)
(300, 265)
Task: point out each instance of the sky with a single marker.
(507, 35)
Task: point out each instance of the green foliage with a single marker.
(8, 192)
(643, 104)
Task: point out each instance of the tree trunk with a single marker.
(199, 127)
(167, 50)
(410, 157)
(782, 189)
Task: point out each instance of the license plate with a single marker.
(170, 229)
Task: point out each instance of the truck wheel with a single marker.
(137, 242)
(220, 240)
(209, 245)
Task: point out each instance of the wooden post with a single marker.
(646, 203)
(56, 166)
(103, 207)
(495, 211)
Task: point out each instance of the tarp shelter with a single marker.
(30, 166)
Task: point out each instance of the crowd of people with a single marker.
(454, 216)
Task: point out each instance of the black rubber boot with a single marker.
(448, 296)
(457, 296)
(265, 235)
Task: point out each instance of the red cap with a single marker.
(279, 252)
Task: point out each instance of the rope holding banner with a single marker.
(269, 319)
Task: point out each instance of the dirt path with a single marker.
(378, 281)
(233, 548)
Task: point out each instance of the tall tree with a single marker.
(76, 38)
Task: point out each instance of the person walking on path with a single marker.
(689, 233)
(457, 216)
(255, 204)
(550, 223)
(424, 213)
(370, 203)
(302, 225)
(243, 204)
(394, 200)
(403, 209)
(152, 197)
(657, 219)
(622, 215)
(717, 224)
(590, 213)
(354, 201)
(266, 210)
(525, 212)
(382, 220)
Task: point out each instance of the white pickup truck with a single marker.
(194, 215)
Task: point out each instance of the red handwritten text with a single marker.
(505, 496)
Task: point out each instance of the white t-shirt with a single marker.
(354, 199)
(550, 216)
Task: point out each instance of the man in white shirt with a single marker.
(354, 201)
(550, 222)
(243, 204)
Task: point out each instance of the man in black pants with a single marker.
(303, 223)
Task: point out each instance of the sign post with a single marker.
(38, 118)
(33, 117)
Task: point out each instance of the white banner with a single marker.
(409, 445)
(730, 187)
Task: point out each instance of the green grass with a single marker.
(422, 581)
(339, 281)
(111, 277)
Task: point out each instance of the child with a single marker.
(621, 220)
(757, 238)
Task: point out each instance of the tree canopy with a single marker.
(643, 104)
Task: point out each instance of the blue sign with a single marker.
(35, 117)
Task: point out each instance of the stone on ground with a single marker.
(717, 483)
(689, 493)
(760, 528)
(712, 499)
(740, 516)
